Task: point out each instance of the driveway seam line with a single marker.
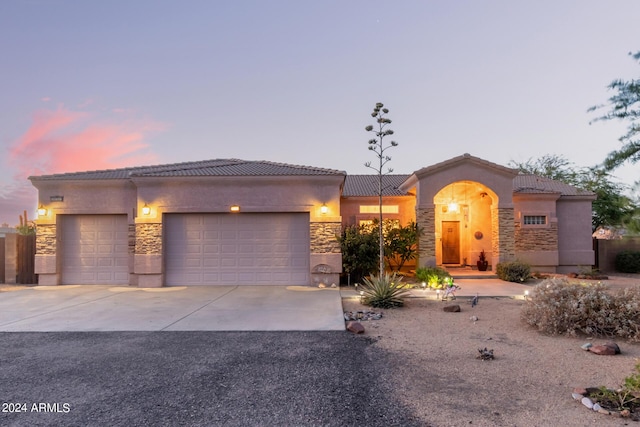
(199, 308)
(59, 309)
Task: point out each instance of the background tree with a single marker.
(611, 208)
(378, 146)
(624, 105)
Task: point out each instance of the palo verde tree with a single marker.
(624, 105)
(377, 145)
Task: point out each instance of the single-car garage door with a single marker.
(94, 250)
(237, 249)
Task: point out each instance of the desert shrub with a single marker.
(513, 271)
(434, 277)
(556, 306)
(626, 397)
(384, 291)
(628, 262)
(360, 251)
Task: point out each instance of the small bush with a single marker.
(628, 262)
(384, 291)
(556, 307)
(514, 271)
(434, 277)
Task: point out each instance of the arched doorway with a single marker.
(463, 222)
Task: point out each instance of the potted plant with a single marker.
(483, 264)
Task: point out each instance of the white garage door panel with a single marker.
(95, 249)
(237, 249)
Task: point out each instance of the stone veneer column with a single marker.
(503, 235)
(148, 255)
(46, 255)
(326, 254)
(426, 220)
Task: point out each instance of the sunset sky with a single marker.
(88, 85)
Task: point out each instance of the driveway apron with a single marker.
(197, 308)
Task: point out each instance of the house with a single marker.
(231, 221)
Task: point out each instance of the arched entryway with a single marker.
(463, 226)
(482, 193)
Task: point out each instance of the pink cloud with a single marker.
(68, 141)
(62, 140)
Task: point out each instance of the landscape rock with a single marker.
(577, 396)
(580, 390)
(613, 345)
(474, 318)
(596, 407)
(455, 308)
(355, 327)
(586, 346)
(606, 349)
(587, 402)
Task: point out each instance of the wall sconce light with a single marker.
(42, 211)
(234, 208)
(324, 209)
(453, 207)
(146, 210)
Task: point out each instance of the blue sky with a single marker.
(91, 84)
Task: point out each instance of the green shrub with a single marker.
(514, 271)
(360, 251)
(434, 277)
(556, 306)
(628, 262)
(384, 291)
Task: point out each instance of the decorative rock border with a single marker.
(362, 315)
(580, 395)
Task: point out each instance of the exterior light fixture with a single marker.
(437, 294)
(42, 211)
(453, 207)
(324, 209)
(424, 286)
(146, 210)
(234, 208)
(526, 295)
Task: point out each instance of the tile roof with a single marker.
(217, 167)
(534, 184)
(367, 185)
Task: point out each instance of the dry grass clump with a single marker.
(556, 307)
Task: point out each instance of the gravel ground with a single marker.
(196, 379)
(437, 376)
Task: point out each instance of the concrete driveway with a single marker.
(198, 308)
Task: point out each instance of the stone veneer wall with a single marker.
(503, 234)
(148, 239)
(131, 234)
(46, 239)
(324, 237)
(426, 220)
(536, 238)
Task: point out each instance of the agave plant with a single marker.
(385, 291)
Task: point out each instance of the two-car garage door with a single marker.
(199, 249)
(237, 249)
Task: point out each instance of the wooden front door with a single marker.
(451, 242)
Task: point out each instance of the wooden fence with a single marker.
(26, 249)
(2, 279)
(17, 257)
(606, 251)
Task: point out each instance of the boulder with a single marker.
(604, 350)
(455, 308)
(355, 327)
